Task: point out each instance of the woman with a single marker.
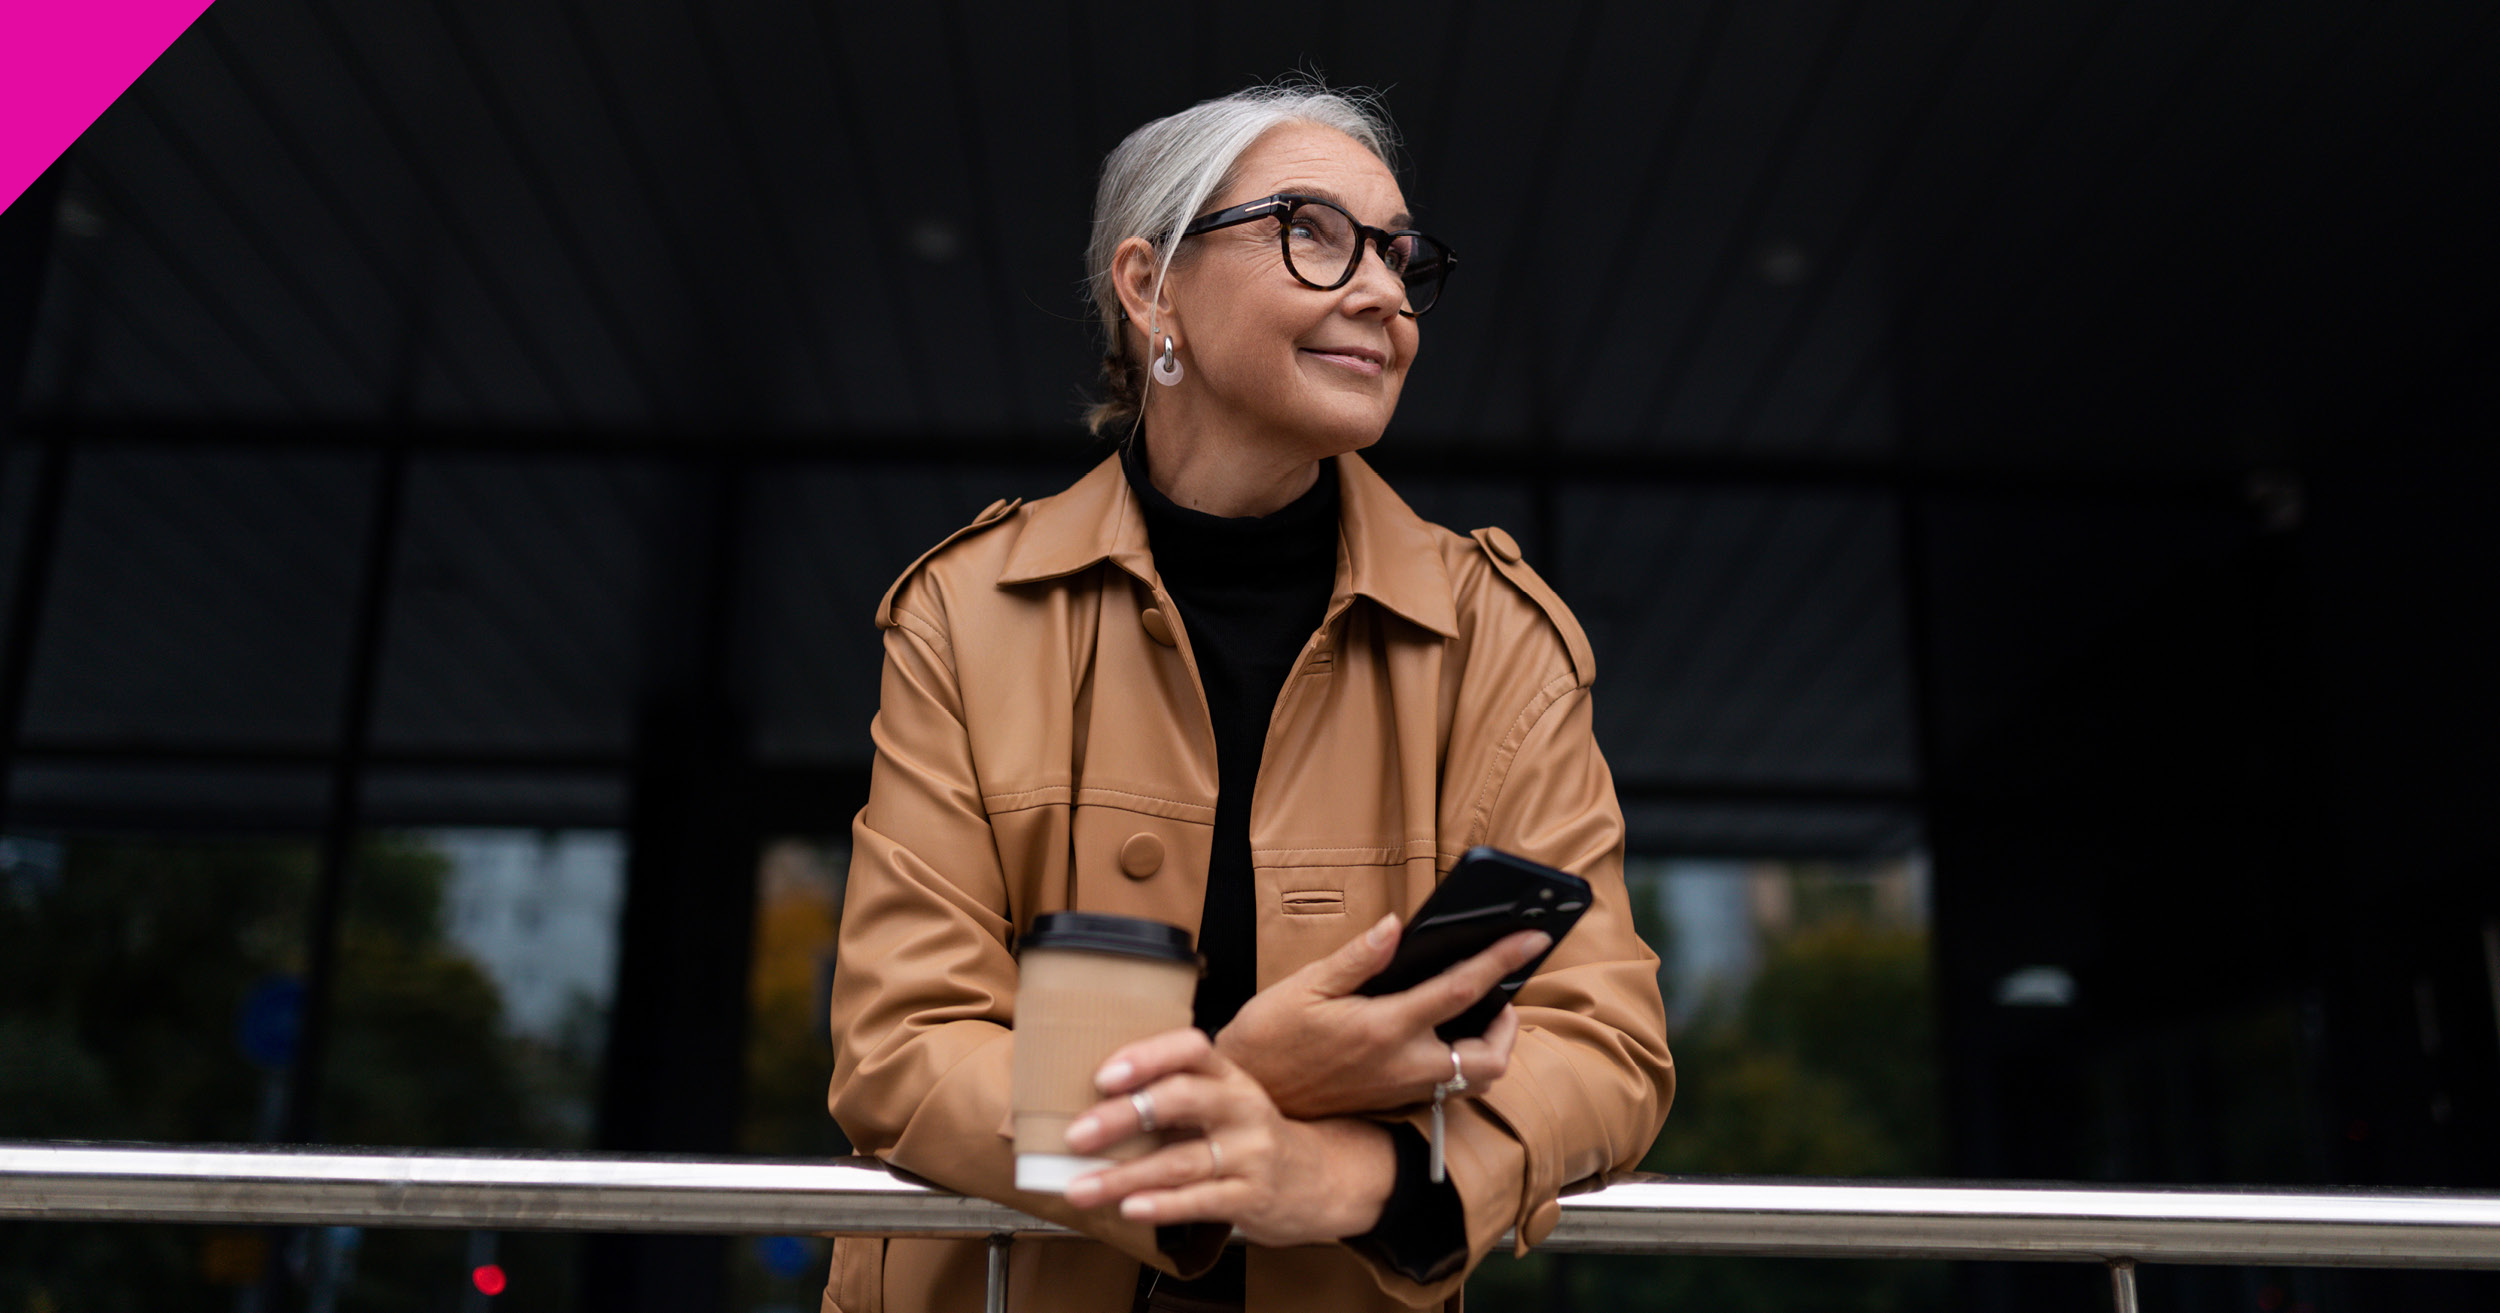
(1229, 681)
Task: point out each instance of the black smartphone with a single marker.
(1488, 895)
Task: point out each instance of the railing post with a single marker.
(2122, 1284)
(996, 1300)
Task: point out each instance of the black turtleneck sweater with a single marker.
(1251, 592)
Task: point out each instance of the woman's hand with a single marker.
(1282, 1182)
(1321, 1050)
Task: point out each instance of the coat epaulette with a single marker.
(992, 514)
(1503, 550)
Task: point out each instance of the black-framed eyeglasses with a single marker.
(1323, 246)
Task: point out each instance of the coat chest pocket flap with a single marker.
(1314, 902)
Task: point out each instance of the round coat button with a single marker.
(1142, 855)
(1503, 545)
(1157, 628)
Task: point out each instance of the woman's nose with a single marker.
(1375, 281)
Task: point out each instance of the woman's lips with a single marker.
(1365, 363)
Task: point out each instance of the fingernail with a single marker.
(1083, 1128)
(1380, 933)
(1137, 1208)
(1114, 1074)
(1538, 942)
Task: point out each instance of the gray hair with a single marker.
(1166, 173)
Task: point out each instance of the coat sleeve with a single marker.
(924, 982)
(1590, 1078)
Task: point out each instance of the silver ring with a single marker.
(1215, 1159)
(1457, 1084)
(1144, 1103)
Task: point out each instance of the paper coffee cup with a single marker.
(1087, 984)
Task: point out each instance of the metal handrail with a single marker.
(1637, 1215)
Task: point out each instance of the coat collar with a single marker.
(1384, 550)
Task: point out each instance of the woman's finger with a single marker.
(1224, 1199)
(1152, 1058)
(1187, 1099)
(1486, 1058)
(1457, 989)
(1355, 961)
(1185, 1163)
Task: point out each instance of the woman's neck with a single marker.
(1205, 473)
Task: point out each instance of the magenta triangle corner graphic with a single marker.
(62, 63)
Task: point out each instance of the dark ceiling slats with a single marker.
(409, 153)
(273, 257)
(1697, 638)
(1855, 226)
(986, 220)
(572, 238)
(350, 224)
(1769, 646)
(1848, 671)
(500, 620)
(1521, 293)
(2197, 218)
(765, 188)
(1915, 291)
(1745, 234)
(95, 289)
(878, 205)
(2059, 235)
(130, 212)
(220, 585)
(1615, 292)
(895, 203)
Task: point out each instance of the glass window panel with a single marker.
(201, 597)
(149, 990)
(1800, 998)
(823, 543)
(798, 908)
(1748, 637)
(531, 594)
(145, 984)
(476, 967)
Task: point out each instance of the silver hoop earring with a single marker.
(1167, 365)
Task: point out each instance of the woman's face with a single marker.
(1267, 355)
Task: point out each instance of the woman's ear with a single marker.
(1135, 265)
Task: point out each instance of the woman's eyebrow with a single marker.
(1400, 219)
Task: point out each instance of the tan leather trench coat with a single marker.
(1043, 743)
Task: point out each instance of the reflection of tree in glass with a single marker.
(789, 1055)
(121, 979)
(1822, 1064)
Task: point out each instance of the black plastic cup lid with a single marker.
(1100, 932)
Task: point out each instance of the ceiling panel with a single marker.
(534, 597)
(200, 598)
(1785, 228)
(1742, 637)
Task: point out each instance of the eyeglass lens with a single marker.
(1322, 248)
